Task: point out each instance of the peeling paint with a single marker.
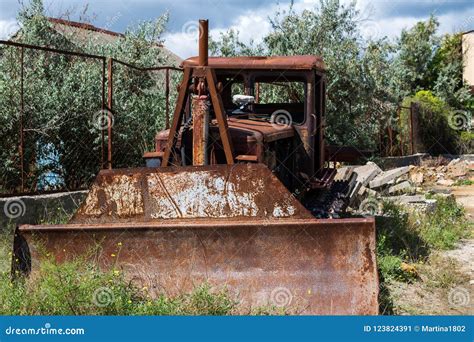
(220, 191)
(122, 196)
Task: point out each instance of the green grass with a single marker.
(80, 288)
(407, 236)
(445, 226)
(407, 242)
(463, 182)
(442, 273)
(74, 288)
(6, 244)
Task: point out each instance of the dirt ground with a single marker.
(446, 284)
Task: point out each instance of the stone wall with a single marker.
(38, 208)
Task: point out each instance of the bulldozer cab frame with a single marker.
(282, 97)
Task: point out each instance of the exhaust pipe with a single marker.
(203, 41)
(200, 103)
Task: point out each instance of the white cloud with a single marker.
(252, 25)
(455, 22)
(8, 28)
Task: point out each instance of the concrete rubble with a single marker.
(406, 185)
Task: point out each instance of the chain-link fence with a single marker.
(141, 101)
(55, 121)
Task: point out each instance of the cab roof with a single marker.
(305, 62)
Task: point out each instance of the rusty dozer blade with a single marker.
(171, 229)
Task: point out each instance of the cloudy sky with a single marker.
(381, 17)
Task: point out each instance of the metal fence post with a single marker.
(400, 134)
(412, 147)
(22, 109)
(102, 160)
(109, 112)
(167, 95)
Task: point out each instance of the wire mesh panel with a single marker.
(51, 101)
(139, 110)
(64, 116)
(10, 113)
(61, 134)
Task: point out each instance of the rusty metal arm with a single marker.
(178, 114)
(48, 49)
(220, 116)
(85, 55)
(158, 68)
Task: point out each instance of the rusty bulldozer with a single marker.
(230, 196)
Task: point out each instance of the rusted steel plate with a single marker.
(310, 266)
(270, 132)
(306, 62)
(217, 191)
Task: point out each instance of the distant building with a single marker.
(80, 33)
(468, 57)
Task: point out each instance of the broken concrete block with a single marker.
(402, 178)
(344, 173)
(445, 182)
(401, 187)
(417, 178)
(363, 175)
(458, 169)
(388, 176)
(367, 172)
(365, 191)
(454, 161)
(404, 199)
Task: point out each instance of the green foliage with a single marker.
(397, 236)
(444, 273)
(466, 142)
(445, 226)
(75, 288)
(434, 115)
(447, 67)
(416, 48)
(368, 78)
(464, 182)
(358, 100)
(397, 242)
(406, 237)
(230, 45)
(62, 102)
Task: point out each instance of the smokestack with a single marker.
(203, 41)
